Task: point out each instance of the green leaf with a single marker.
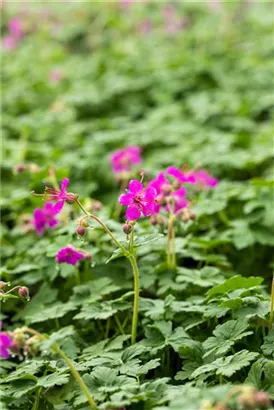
(226, 366)
(226, 336)
(236, 282)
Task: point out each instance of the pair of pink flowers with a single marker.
(15, 33)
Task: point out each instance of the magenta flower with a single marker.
(180, 201)
(203, 179)
(45, 218)
(163, 188)
(15, 28)
(123, 159)
(60, 197)
(5, 343)
(180, 176)
(69, 255)
(138, 200)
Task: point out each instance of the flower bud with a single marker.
(15, 346)
(127, 228)
(80, 230)
(71, 198)
(3, 284)
(24, 292)
(84, 223)
(20, 168)
(261, 399)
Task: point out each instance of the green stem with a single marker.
(130, 255)
(77, 276)
(120, 327)
(271, 306)
(136, 298)
(77, 376)
(73, 370)
(123, 249)
(171, 247)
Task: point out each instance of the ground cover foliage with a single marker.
(89, 78)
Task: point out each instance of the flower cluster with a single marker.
(124, 159)
(164, 193)
(15, 33)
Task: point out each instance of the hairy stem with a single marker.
(136, 298)
(131, 257)
(73, 370)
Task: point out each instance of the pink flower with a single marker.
(55, 76)
(69, 255)
(45, 218)
(9, 42)
(5, 343)
(61, 196)
(123, 159)
(15, 28)
(163, 188)
(180, 201)
(203, 179)
(180, 176)
(138, 200)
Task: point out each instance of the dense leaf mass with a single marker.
(189, 83)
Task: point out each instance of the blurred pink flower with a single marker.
(15, 28)
(203, 179)
(145, 26)
(9, 42)
(122, 160)
(69, 255)
(55, 75)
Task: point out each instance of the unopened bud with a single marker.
(20, 168)
(80, 230)
(127, 228)
(88, 255)
(84, 223)
(24, 292)
(96, 205)
(3, 284)
(15, 346)
(261, 399)
(71, 198)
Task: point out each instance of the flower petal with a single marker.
(133, 213)
(64, 184)
(126, 199)
(135, 187)
(150, 194)
(58, 207)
